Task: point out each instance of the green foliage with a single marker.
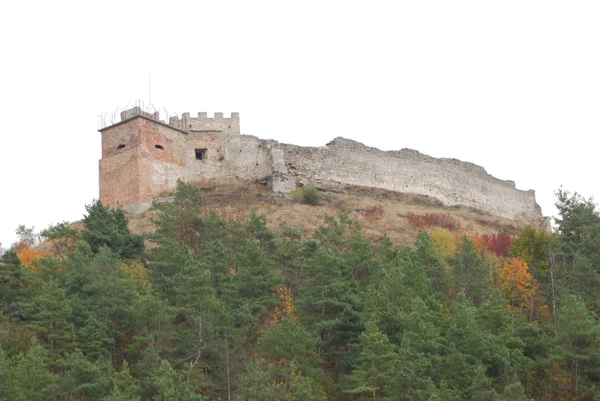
(576, 215)
(288, 342)
(180, 221)
(50, 313)
(61, 236)
(108, 296)
(108, 227)
(30, 376)
(470, 273)
(12, 280)
(578, 336)
(27, 236)
(376, 368)
(534, 247)
(307, 195)
(5, 379)
(230, 310)
(84, 379)
(256, 385)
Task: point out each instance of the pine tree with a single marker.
(51, 313)
(376, 368)
(469, 272)
(31, 376)
(108, 227)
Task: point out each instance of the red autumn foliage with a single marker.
(498, 244)
(373, 213)
(422, 221)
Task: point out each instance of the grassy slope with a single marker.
(235, 200)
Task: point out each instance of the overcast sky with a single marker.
(510, 85)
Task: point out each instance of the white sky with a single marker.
(510, 85)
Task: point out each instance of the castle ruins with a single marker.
(143, 157)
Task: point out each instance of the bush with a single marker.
(373, 213)
(499, 244)
(307, 195)
(423, 221)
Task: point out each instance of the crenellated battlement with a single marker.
(203, 123)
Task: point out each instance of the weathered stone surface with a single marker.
(143, 158)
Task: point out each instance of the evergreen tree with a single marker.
(180, 222)
(86, 380)
(109, 296)
(108, 227)
(256, 385)
(6, 390)
(125, 387)
(376, 368)
(31, 376)
(470, 273)
(51, 313)
(425, 254)
(289, 342)
(578, 336)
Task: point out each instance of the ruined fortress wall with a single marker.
(247, 157)
(233, 156)
(142, 159)
(451, 181)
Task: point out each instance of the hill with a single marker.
(220, 306)
(235, 200)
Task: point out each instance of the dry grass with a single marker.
(234, 200)
(283, 212)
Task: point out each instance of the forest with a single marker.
(214, 309)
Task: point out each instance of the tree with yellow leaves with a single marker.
(520, 287)
(287, 305)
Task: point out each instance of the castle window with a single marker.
(159, 147)
(200, 154)
(121, 146)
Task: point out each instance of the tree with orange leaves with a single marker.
(27, 256)
(519, 286)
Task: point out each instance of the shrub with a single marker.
(373, 213)
(422, 221)
(444, 242)
(307, 195)
(499, 244)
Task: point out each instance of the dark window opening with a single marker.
(200, 154)
(159, 147)
(121, 146)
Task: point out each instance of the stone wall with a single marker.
(344, 162)
(142, 159)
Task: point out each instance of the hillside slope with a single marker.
(233, 199)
